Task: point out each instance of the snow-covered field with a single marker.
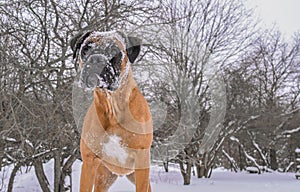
(221, 181)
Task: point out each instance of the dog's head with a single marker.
(104, 57)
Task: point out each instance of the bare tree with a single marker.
(36, 121)
(194, 40)
(263, 84)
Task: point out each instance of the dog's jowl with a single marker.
(117, 128)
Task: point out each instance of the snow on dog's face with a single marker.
(104, 57)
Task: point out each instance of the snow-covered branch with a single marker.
(231, 160)
(248, 156)
(289, 132)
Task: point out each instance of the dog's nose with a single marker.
(96, 63)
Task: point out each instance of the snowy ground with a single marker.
(221, 181)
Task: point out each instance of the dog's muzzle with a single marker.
(92, 68)
(101, 70)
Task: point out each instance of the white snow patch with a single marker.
(250, 157)
(260, 151)
(291, 131)
(113, 148)
(29, 143)
(221, 181)
(10, 139)
(232, 138)
(228, 156)
(252, 169)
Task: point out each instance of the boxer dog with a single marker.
(117, 128)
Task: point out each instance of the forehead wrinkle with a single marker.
(99, 39)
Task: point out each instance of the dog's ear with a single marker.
(133, 48)
(77, 41)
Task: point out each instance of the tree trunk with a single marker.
(12, 177)
(200, 171)
(2, 148)
(241, 159)
(39, 172)
(67, 171)
(203, 172)
(1, 158)
(208, 172)
(203, 168)
(57, 171)
(273, 159)
(186, 173)
(166, 165)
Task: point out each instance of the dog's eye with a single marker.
(85, 49)
(116, 59)
(114, 51)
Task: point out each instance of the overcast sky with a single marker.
(286, 13)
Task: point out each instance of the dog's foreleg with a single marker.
(103, 179)
(90, 163)
(142, 181)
